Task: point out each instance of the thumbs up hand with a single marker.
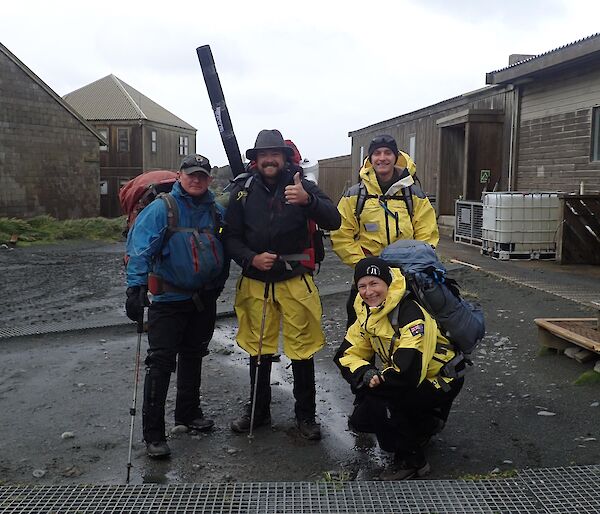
(295, 194)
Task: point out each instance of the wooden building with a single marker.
(49, 160)
(451, 142)
(557, 132)
(535, 127)
(141, 135)
(336, 175)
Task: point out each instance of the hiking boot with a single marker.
(201, 424)
(309, 429)
(158, 450)
(241, 425)
(405, 469)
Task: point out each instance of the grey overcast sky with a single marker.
(315, 69)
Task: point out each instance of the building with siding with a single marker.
(141, 135)
(49, 155)
(535, 127)
(557, 132)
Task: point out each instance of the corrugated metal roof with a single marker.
(110, 98)
(579, 41)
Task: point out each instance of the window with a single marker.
(103, 187)
(153, 141)
(183, 145)
(412, 145)
(104, 133)
(596, 134)
(123, 137)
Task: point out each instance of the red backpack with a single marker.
(143, 189)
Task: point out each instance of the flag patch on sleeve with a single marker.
(416, 330)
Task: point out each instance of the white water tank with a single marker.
(520, 225)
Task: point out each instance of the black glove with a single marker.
(137, 299)
(368, 375)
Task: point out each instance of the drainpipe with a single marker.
(514, 134)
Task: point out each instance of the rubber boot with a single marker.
(156, 387)
(187, 402)
(305, 393)
(262, 412)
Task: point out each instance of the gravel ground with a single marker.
(65, 397)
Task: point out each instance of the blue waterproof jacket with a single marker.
(183, 261)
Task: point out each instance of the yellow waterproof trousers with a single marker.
(296, 302)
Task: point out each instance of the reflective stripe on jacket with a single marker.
(417, 353)
(383, 221)
(176, 261)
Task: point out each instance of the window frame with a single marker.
(595, 135)
(121, 130)
(184, 145)
(104, 132)
(153, 141)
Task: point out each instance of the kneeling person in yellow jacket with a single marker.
(407, 399)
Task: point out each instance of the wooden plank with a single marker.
(551, 326)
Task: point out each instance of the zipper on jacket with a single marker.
(195, 260)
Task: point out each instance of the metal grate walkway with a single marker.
(558, 490)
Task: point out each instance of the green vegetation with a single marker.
(589, 377)
(509, 473)
(46, 229)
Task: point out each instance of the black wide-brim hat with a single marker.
(269, 140)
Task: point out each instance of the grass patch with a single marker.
(589, 377)
(46, 229)
(509, 473)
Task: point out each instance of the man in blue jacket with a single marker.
(174, 251)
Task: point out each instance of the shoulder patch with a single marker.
(418, 329)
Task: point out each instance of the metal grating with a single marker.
(557, 490)
(566, 490)
(469, 222)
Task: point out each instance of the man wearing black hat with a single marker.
(174, 251)
(408, 398)
(267, 235)
(386, 205)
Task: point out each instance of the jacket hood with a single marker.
(403, 162)
(395, 293)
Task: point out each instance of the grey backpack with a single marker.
(460, 321)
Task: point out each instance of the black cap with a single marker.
(373, 266)
(383, 141)
(269, 140)
(193, 163)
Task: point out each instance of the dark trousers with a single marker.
(178, 338)
(400, 421)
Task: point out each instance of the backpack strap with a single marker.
(172, 216)
(363, 196)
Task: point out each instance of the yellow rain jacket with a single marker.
(384, 218)
(416, 352)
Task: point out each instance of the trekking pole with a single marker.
(140, 330)
(260, 341)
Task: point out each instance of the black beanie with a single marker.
(383, 141)
(373, 266)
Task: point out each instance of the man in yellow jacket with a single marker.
(386, 205)
(408, 398)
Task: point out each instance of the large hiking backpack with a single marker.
(143, 189)
(460, 321)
